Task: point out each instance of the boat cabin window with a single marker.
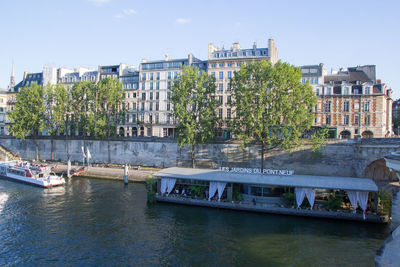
(40, 175)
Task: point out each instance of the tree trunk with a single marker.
(52, 149)
(262, 156)
(193, 157)
(36, 149)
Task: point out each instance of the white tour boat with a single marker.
(34, 174)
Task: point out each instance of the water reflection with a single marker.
(97, 222)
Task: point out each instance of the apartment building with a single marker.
(351, 102)
(154, 108)
(222, 64)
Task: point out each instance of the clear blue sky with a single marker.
(102, 32)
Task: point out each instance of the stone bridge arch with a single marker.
(371, 153)
(379, 172)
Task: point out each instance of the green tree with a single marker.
(318, 139)
(98, 109)
(56, 106)
(109, 107)
(28, 116)
(194, 107)
(271, 105)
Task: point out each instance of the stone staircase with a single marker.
(8, 154)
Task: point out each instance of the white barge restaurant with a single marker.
(269, 193)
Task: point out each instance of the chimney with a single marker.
(190, 59)
(167, 57)
(144, 60)
(236, 46)
(378, 81)
(254, 45)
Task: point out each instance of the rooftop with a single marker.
(310, 181)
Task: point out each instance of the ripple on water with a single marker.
(97, 222)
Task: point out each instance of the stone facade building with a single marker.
(222, 64)
(351, 102)
(154, 109)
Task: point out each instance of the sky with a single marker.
(89, 33)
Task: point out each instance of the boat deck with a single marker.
(273, 209)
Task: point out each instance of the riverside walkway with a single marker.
(137, 174)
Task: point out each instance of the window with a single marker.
(221, 100)
(142, 106)
(367, 105)
(346, 90)
(230, 64)
(356, 91)
(143, 76)
(143, 87)
(158, 75)
(356, 120)
(346, 120)
(169, 85)
(221, 75)
(229, 74)
(327, 106)
(168, 106)
(143, 96)
(221, 65)
(328, 120)
(175, 75)
(367, 90)
(238, 64)
(151, 95)
(220, 87)
(228, 87)
(169, 75)
(157, 106)
(213, 65)
(213, 74)
(168, 95)
(157, 95)
(229, 99)
(151, 86)
(317, 91)
(346, 105)
(151, 106)
(151, 76)
(220, 113)
(329, 90)
(367, 119)
(157, 85)
(228, 112)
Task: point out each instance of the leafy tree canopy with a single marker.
(271, 105)
(194, 107)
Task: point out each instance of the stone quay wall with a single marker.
(337, 158)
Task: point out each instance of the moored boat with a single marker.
(33, 174)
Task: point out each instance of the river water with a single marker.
(104, 223)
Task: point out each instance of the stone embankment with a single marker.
(137, 174)
(389, 252)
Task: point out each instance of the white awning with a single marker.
(311, 181)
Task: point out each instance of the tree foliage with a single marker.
(28, 116)
(318, 139)
(56, 107)
(271, 105)
(92, 109)
(194, 106)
